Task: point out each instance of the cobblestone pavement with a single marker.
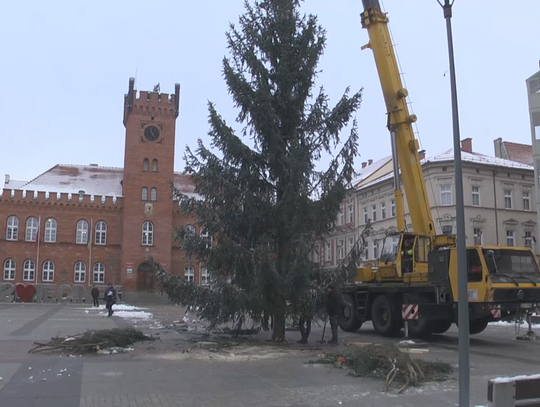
(159, 374)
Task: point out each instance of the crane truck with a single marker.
(417, 275)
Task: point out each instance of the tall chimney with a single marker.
(370, 161)
(466, 145)
(6, 179)
(364, 164)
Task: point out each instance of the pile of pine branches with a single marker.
(391, 364)
(93, 340)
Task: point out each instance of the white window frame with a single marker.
(153, 194)
(365, 215)
(146, 164)
(341, 249)
(383, 210)
(100, 233)
(12, 228)
(98, 275)
(50, 230)
(155, 165)
(510, 237)
(374, 213)
(31, 229)
(350, 244)
(47, 271)
(375, 249)
(341, 216)
(189, 274)
(475, 192)
(478, 236)
(445, 191)
(393, 208)
(144, 194)
(350, 213)
(528, 239)
(205, 276)
(448, 226)
(205, 235)
(508, 199)
(10, 269)
(82, 232)
(527, 199)
(29, 270)
(328, 251)
(316, 256)
(147, 233)
(79, 272)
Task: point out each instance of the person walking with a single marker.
(334, 307)
(110, 298)
(95, 296)
(308, 304)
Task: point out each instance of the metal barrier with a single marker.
(515, 391)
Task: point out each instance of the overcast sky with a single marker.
(65, 67)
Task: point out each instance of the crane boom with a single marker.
(399, 122)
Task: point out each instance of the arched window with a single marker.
(147, 233)
(153, 194)
(205, 276)
(80, 272)
(9, 269)
(101, 233)
(31, 229)
(82, 232)
(50, 230)
(144, 194)
(145, 164)
(189, 274)
(12, 232)
(205, 235)
(190, 230)
(99, 273)
(48, 271)
(154, 165)
(29, 270)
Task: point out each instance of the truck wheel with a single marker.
(419, 328)
(477, 326)
(384, 317)
(440, 326)
(349, 321)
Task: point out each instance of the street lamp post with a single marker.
(463, 296)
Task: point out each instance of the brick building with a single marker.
(75, 226)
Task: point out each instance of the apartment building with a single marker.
(498, 196)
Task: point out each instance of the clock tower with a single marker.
(147, 225)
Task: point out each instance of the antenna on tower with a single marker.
(135, 85)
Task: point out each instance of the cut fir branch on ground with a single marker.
(389, 363)
(93, 340)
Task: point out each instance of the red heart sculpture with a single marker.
(25, 293)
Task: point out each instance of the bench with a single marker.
(521, 391)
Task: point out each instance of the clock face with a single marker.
(151, 133)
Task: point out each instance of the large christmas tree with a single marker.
(265, 207)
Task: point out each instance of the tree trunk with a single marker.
(278, 334)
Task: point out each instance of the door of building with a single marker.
(145, 278)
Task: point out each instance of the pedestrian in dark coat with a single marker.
(95, 296)
(110, 298)
(308, 304)
(334, 307)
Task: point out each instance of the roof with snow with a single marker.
(448, 156)
(92, 179)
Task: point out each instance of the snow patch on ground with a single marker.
(119, 307)
(244, 354)
(512, 323)
(130, 314)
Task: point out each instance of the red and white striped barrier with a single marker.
(409, 311)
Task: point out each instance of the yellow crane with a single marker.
(416, 277)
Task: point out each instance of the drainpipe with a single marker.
(495, 206)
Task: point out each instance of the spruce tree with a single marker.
(266, 206)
